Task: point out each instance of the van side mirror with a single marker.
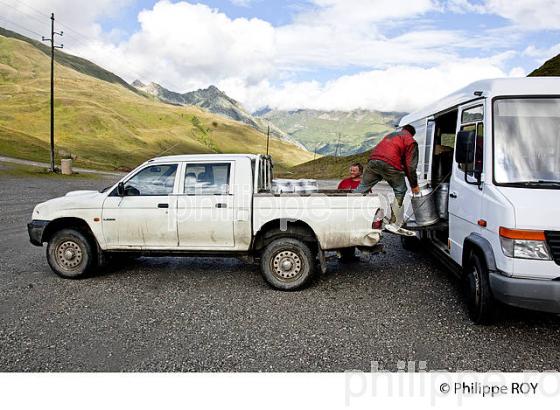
(465, 147)
(120, 189)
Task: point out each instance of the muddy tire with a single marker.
(287, 264)
(70, 254)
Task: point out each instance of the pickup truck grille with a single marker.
(553, 240)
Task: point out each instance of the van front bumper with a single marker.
(35, 228)
(542, 295)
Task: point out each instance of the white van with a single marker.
(492, 150)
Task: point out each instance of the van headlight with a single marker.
(524, 244)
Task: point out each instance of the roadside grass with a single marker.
(27, 171)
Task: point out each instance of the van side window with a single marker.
(207, 179)
(477, 166)
(473, 114)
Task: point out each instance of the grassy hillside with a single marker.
(105, 125)
(327, 167)
(77, 63)
(549, 68)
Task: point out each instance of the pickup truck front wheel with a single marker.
(287, 264)
(70, 254)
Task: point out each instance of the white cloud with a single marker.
(81, 15)
(351, 12)
(529, 14)
(542, 54)
(185, 46)
(399, 88)
(241, 3)
(524, 14)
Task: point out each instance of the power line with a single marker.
(37, 12)
(77, 38)
(27, 15)
(20, 26)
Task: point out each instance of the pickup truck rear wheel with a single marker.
(70, 254)
(287, 264)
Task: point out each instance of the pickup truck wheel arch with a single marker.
(272, 230)
(79, 225)
(62, 223)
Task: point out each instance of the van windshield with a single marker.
(527, 142)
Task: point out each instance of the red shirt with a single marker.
(400, 150)
(349, 184)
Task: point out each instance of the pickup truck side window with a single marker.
(207, 179)
(155, 180)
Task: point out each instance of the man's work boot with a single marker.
(397, 219)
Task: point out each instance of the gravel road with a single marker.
(205, 314)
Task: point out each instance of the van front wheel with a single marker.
(287, 264)
(477, 290)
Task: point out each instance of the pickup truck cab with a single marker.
(205, 205)
(492, 153)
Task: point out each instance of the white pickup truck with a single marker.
(210, 205)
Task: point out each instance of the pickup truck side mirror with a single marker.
(120, 189)
(464, 150)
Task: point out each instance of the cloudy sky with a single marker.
(324, 54)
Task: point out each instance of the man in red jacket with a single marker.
(351, 183)
(390, 160)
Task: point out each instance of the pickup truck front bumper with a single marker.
(35, 228)
(542, 295)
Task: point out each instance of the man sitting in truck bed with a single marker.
(390, 160)
(355, 178)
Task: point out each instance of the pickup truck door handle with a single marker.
(163, 205)
(221, 205)
(453, 195)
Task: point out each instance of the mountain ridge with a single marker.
(215, 101)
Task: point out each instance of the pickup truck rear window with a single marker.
(207, 179)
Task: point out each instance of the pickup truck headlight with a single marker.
(524, 244)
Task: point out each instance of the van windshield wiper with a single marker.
(538, 182)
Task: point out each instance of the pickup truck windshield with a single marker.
(527, 142)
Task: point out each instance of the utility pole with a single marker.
(315, 156)
(267, 139)
(337, 147)
(53, 46)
